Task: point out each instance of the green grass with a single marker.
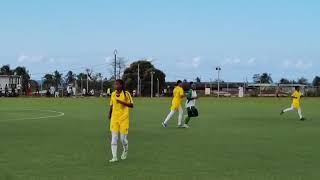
(241, 139)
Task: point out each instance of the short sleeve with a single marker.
(130, 100)
(181, 92)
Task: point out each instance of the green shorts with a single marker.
(192, 111)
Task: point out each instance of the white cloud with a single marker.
(251, 61)
(35, 59)
(195, 62)
(303, 65)
(231, 61)
(108, 59)
(299, 65)
(189, 63)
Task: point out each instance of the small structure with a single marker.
(10, 85)
(241, 92)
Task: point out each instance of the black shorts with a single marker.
(192, 111)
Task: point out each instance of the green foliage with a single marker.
(316, 81)
(198, 80)
(48, 80)
(22, 71)
(5, 70)
(284, 81)
(70, 77)
(263, 78)
(130, 76)
(303, 80)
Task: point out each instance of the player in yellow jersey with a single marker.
(120, 103)
(178, 94)
(296, 96)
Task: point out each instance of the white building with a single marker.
(10, 82)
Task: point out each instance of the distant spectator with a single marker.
(84, 92)
(6, 90)
(74, 90)
(92, 92)
(52, 90)
(108, 92)
(56, 94)
(37, 92)
(69, 91)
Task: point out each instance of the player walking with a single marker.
(178, 94)
(120, 103)
(191, 104)
(296, 96)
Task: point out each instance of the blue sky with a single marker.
(183, 38)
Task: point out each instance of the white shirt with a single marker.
(190, 103)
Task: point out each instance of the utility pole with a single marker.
(260, 87)
(119, 68)
(81, 85)
(115, 64)
(152, 73)
(101, 84)
(87, 83)
(138, 80)
(158, 87)
(218, 69)
(41, 86)
(75, 87)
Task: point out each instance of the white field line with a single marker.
(59, 114)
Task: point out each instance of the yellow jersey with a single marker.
(178, 94)
(296, 99)
(119, 111)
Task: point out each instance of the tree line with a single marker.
(95, 80)
(266, 78)
(130, 76)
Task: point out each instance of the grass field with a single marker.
(240, 139)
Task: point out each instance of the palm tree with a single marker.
(57, 78)
(70, 77)
(5, 70)
(21, 71)
(48, 80)
(303, 80)
(264, 78)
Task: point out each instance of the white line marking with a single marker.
(59, 114)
